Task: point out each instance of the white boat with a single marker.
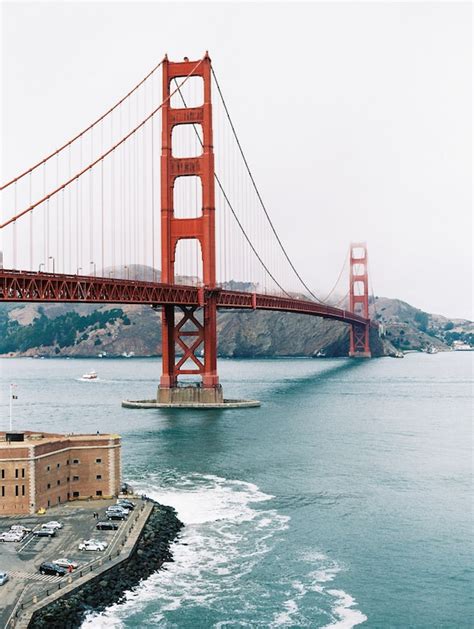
(91, 375)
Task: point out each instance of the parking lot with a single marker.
(21, 560)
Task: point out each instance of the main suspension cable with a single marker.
(338, 278)
(79, 135)
(102, 157)
(221, 187)
(258, 192)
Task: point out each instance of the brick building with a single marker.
(40, 470)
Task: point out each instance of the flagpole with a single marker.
(12, 397)
(11, 407)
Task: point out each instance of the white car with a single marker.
(90, 546)
(11, 536)
(121, 512)
(101, 542)
(3, 577)
(52, 525)
(65, 563)
(20, 527)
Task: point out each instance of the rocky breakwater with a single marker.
(151, 551)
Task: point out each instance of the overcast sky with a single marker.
(355, 117)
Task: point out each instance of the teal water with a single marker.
(344, 500)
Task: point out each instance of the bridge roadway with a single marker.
(28, 286)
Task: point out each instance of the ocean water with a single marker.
(344, 501)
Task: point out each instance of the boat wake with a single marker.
(230, 531)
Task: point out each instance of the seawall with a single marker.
(151, 550)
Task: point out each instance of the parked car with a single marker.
(90, 546)
(65, 563)
(3, 578)
(106, 526)
(51, 568)
(128, 504)
(119, 508)
(44, 533)
(115, 515)
(125, 508)
(20, 527)
(52, 525)
(17, 535)
(11, 536)
(98, 541)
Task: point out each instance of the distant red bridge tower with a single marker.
(359, 345)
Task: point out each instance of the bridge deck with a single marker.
(27, 286)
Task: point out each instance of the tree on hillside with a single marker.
(422, 319)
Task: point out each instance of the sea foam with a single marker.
(229, 528)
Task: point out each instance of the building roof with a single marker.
(36, 438)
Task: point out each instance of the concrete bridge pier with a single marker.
(190, 394)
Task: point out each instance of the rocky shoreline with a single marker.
(150, 553)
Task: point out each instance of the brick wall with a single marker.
(47, 473)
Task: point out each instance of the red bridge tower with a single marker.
(359, 346)
(194, 332)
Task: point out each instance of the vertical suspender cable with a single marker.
(258, 193)
(153, 197)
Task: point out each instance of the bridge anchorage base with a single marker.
(360, 355)
(191, 396)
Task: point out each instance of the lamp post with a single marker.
(54, 261)
(39, 268)
(79, 268)
(111, 273)
(128, 271)
(95, 270)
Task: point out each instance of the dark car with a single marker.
(111, 515)
(44, 533)
(124, 502)
(52, 568)
(106, 526)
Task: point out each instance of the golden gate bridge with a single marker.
(80, 224)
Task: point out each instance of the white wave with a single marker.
(345, 616)
(285, 618)
(343, 608)
(224, 538)
(342, 612)
(219, 538)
